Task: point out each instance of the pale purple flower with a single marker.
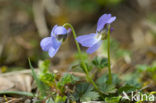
(53, 43)
(103, 20)
(94, 40)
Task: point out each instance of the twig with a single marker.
(51, 7)
(13, 100)
(39, 18)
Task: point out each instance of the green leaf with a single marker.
(45, 76)
(74, 66)
(84, 92)
(60, 99)
(49, 100)
(67, 79)
(104, 78)
(127, 88)
(90, 95)
(112, 99)
(44, 66)
(42, 88)
(48, 78)
(105, 87)
(129, 79)
(77, 66)
(142, 67)
(100, 63)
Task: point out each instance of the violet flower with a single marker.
(53, 43)
(94, 40)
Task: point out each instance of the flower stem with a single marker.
(88, 77)
(108, 51)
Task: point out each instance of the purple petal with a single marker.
(94, 47)
(60, 30)
(54, 47)
(55, 43)
(52, 32)
(88, 40)
(46, 43)
(112, 19)
(52, 51)
(104, 19)
(50, 44)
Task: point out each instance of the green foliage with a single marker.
(89, 67)
(67, 79)
(77, 66)
(112, 99)
(132, 79)
(49, 100)
(100, 63)
(48, 78)
(131, 83)
(127, 88)
(41, 86)
(44, 66)
(83, 5)
(142, 67)
(146, 68)
(60, 99)
(85, 92)
(45, 76)
(109, 2)
(104, 79)
(105, 86)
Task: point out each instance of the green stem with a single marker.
(88, 77)
(18, 93)
(108, 51)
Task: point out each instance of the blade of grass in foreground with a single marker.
(18, 93)
(40, 85)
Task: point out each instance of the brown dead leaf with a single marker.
(16, 81)
(5, 84)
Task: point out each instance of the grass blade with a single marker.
(18, 93)
(40, 85)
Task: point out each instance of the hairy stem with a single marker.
(108, 51)
(88, 77)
